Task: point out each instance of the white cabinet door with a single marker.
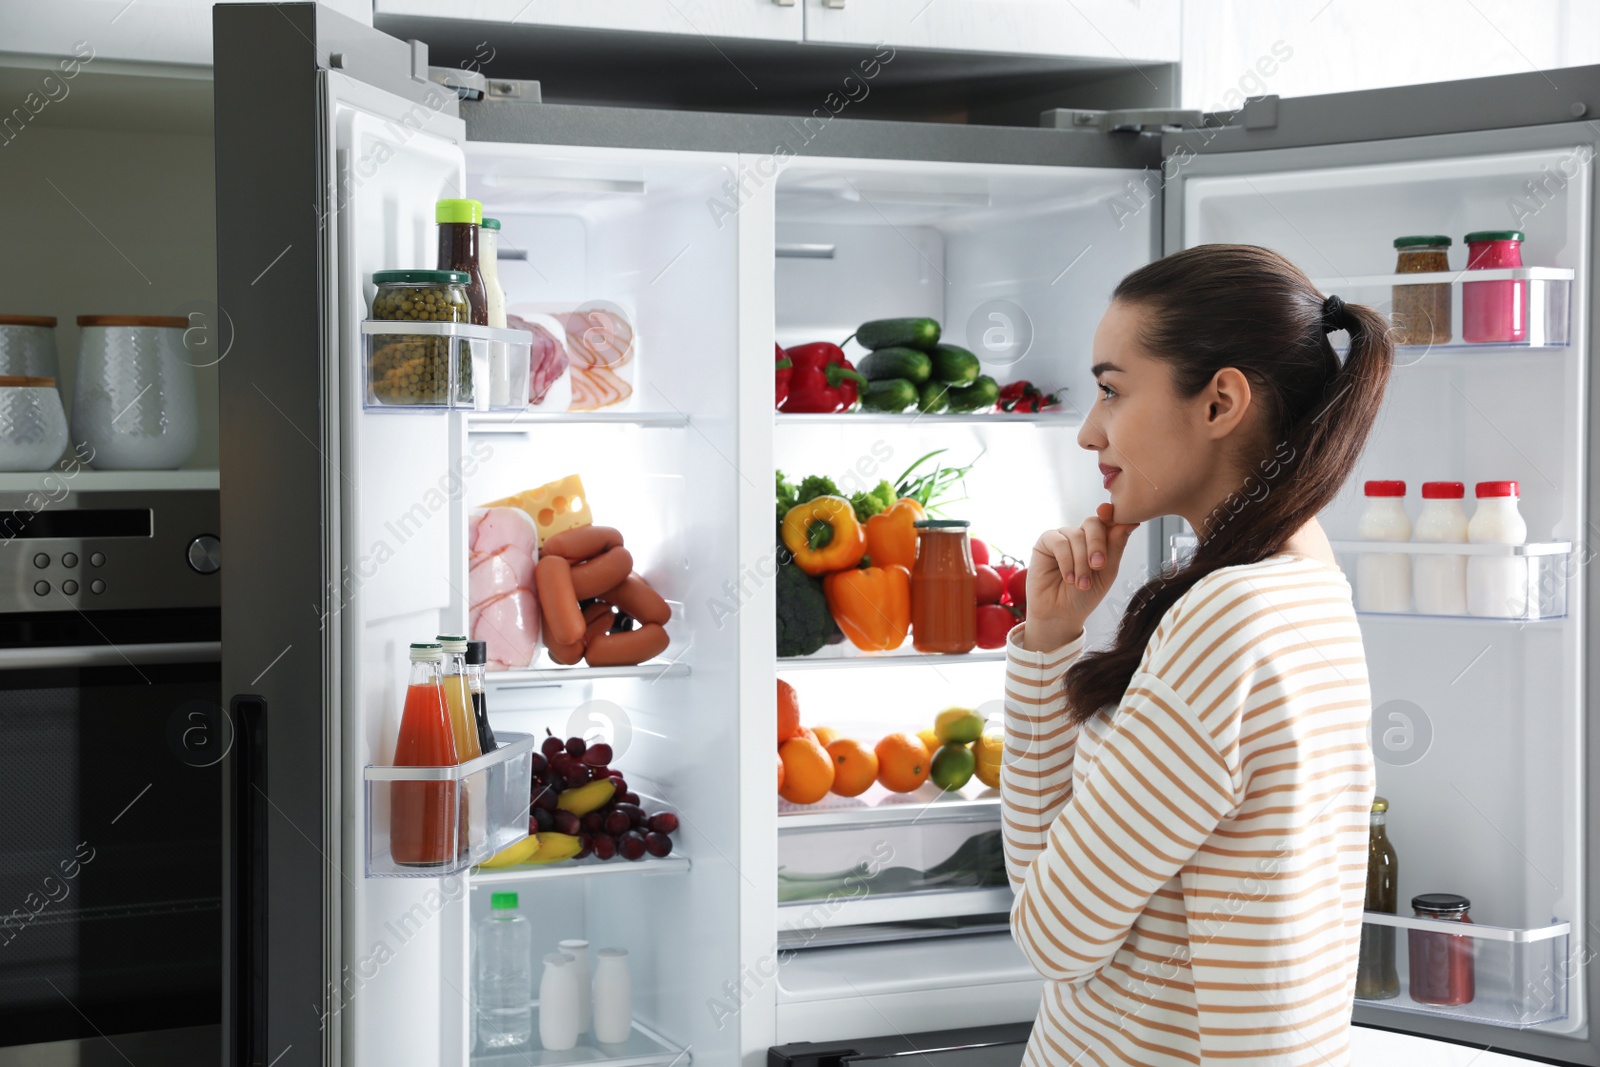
(764, 19)
(1132, 30)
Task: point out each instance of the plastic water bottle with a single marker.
(505, 976)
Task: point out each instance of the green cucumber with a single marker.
(890, 394)
(981, 394)
(889, 333)
(907, 363)
(932, 397)
(953, 364)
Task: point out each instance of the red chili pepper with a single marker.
(1025, 396)
(784, 365)
(822, 379)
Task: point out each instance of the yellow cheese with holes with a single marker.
(561, 505)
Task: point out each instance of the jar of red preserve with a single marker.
(1494, 312)
(944, 594)
(1441, 964)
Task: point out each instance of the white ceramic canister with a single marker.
(1497, 585)
(1383, 579)
(578, 949)
(134, 400)
(33, 428)
(28, 346)
(613, 997)
(558, 1003)
(1439, 581)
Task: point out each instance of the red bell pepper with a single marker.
(1025, 396)
(784, 369)
(822, 379)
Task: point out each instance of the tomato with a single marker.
(1017, 587)
(989, 586)
(994, 623)
(980, 553)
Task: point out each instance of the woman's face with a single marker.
(1160, 454)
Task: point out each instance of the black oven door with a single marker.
(111, 744)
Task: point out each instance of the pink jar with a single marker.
(1494, 312)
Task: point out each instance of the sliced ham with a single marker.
(597, 387)
(503, 546)
(598, 338)
(547, 358)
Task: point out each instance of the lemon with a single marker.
(987, 751)
(930, 740)
(958, 726)
(952, 767)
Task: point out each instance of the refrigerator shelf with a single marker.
(644, 1048)
(879, 807)
(1531, 580)
(528, 421)
(898, 907)
(1519, 974)
(584, 868)
(1505, 306)
(557, 675)
(854, 659)
(1445, 277)
(1064, 419)
(460, 365)
(484, 799)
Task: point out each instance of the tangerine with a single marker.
(788, 711)
(902, 762)
(855, 767)
(826, 735)
(809, 734)
(807, 771)
(780, 775)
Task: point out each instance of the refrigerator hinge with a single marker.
(473, 85)
(1259, 112)
(1126, 120)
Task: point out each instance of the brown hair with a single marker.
(1241, 306)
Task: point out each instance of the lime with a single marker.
(959, 726)
(952, 767)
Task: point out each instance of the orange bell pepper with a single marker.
(872, 605)
(892, 535)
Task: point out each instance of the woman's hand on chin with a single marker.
(1070, 572)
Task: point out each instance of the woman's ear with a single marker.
(1227, 402)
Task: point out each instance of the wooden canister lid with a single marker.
(170, 321)
(28, 320)
(22, 381)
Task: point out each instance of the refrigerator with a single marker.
(714, 235)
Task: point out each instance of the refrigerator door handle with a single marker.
(246, 903)
(110, 655)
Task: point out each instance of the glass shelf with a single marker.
(584, 868)
(528, 421)
(822, 660)
(880, 807)
(899, 907)
(558, 675)
(1064, 419)
(644, 1048)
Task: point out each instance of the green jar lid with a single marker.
(458, 211)
(421, 277)
(490, 224)
(501, 901)
(1422, 241)
(941, 524)
(1493, 235)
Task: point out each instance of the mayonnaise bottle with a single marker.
(1497, 585)
(1439, 581)
(1383, 579)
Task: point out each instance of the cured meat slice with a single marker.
(597, 387)
(504, 609)
(598, 337)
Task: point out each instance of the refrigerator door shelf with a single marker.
(1537, 575)
(644, 1048)
(485, 798)
(1520, 975)
(1503, 307)
(475, 368)
(1436, 548)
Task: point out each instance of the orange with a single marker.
(902, 762)
(807, 771)
(826, 735)
(780, 775)
(788, 711)
(809, 734)
(855, 766)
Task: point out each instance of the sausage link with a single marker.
(634, 596)
(582, 542)
(563, 622)
(566, 655)
(593, 577)
(634, 646)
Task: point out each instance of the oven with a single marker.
(112, 737)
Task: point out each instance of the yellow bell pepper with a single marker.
(824, 535)
(892, 535)
(872, 605)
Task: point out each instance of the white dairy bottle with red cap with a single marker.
(1439, 581)
(1497, 585)
(1383, 579)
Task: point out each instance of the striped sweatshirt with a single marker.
(1190, 867)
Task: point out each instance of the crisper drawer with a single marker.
(852, 866)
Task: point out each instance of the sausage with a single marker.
(634, 596)
(635, 646)
(593, 577)
(595, 609)
(582, 542)
(563, 622)
(566, 655)
(602, 622)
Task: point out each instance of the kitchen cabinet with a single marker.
(1096, 29)
(751, 19)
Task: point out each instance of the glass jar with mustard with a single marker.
(1421, 313)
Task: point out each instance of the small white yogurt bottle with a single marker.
(613, 997)
(1497, 586)
(578, 949)
(558, 1003)
(1383, 579)
(1439, 581)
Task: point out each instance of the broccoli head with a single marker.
(873, 501)
(804, 623)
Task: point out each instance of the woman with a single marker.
(1186, 811)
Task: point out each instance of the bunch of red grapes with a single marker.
(618, 827)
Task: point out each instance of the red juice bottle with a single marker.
(423, 816)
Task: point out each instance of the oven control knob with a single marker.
(205, 554)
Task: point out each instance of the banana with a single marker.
(510, 856)
(554, 847)
(588, 797)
